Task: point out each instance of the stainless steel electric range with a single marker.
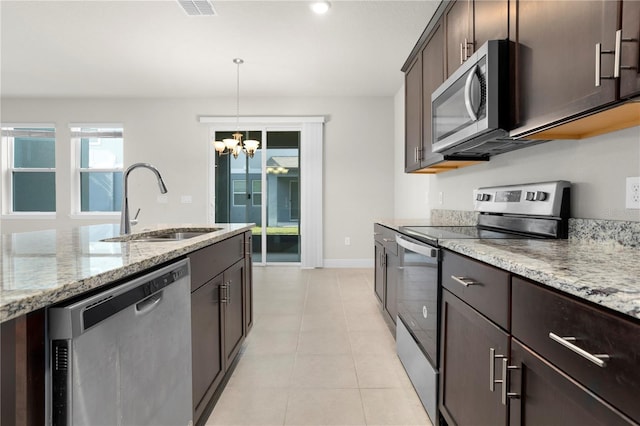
(535, 210)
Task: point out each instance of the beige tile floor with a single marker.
(319, 353)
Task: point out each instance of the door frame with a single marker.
(311, 130)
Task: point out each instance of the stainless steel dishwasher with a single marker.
(123, 356)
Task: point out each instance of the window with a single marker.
(240, 192)
(29, 164)
(98, 153)
(256, 192)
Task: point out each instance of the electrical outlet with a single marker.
(633, 193)
(347, 241)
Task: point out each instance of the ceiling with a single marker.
(116, 49)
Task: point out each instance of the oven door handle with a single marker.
(423, 249)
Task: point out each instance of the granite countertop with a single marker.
(46, 267)
(602, 273)
(600, 262)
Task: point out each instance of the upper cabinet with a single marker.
(423, 75)
(575, 59)
(577, 66)
(630, 49)
(559, 73)
(469, 24)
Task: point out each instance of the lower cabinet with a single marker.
(220, 316)
(545, 395)
(555, 360)
(470, 366)
(386, 270)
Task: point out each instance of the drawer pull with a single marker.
(598, 359)
(464, 281)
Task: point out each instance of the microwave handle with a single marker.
(467, 93)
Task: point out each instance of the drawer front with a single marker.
(487, 288)
(386, 237)
(210, 261)
(537, 312)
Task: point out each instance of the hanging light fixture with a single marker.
(234, 145)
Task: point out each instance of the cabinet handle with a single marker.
(223, 293)
(461, 55)
(599, 53)
(598, 359)
(505, 381)
(492, 369)
(617, 58)
(465, 281)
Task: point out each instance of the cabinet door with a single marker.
(490, 21)
(630, 54)
(467, 338)
(391, 293)
(458, 20)
(432, 77)
(248, 282)
(206, 353)
(379, 271)
(556, 61)
(413, 115)
(547, 396)
(233, 311)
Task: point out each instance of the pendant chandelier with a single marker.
(234, 145)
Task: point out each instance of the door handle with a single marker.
(467, 94)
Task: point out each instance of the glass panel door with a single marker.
(263, 190)
(283, 195)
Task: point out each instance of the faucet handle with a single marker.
(134, 221)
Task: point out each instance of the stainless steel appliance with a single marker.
(538, 210)
(123, 356)
(472, 111)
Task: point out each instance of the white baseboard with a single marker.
(348, 263)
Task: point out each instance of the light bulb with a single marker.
(320, 7)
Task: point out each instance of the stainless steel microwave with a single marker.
(472, 110)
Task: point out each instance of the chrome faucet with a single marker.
(125, 222)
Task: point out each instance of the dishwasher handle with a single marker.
(149, 304)
(423, 249)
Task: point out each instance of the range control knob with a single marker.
(530, 196)
(540, 196)
(483, 197)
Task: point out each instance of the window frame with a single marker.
(7, 152)
(76, 136)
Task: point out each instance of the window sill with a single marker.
(28, 216)
(95, 215)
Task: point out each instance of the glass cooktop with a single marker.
(432, 234)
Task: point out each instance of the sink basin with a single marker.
(170, 236)
(174, 234)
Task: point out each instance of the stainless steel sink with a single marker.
(175, 234)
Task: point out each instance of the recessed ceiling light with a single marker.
(320, 7)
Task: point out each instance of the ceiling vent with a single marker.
(197, 7)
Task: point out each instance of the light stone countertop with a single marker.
(602, 273)
(46, 267)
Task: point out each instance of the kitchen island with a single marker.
(43, 268)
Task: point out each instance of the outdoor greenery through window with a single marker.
(100, 168)
(30, 152)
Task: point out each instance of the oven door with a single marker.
(418, 293)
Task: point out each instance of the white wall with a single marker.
(358, 158)
(597, 167)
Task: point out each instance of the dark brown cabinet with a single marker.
(546, 395)
(469, 24)
(248, 290)
(470, 354)
(220, 314)
(413, 116)
(630, 49)
(206, 353)
(557, 65)
(386, 270)
(552, 360)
